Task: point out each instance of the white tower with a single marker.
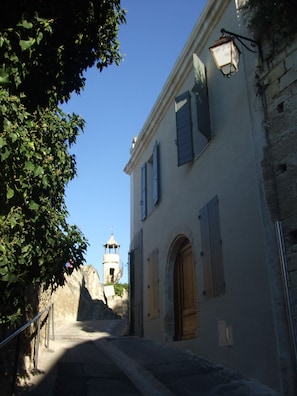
(112, 271)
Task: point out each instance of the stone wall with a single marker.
(279, 78)
(119, 305)
(82, 298)
(74, 300)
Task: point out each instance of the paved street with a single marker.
(93, 358)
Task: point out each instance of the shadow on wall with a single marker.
(93, 309)
(119, 305)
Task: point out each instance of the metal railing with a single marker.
(49, 334)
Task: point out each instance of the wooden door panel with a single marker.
(185, 295)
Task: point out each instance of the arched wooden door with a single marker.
(185, 306)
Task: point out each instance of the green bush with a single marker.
(119, 288)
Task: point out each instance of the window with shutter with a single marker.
(150, 187)
(202, 103)
(156, 174)
(211, 254)
(183, 129)
(143, 192)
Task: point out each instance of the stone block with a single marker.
(291, 61)
(291, 55)
(292, 261)
(272, 89)
(276, 72)
(293, 281)
(287, 79)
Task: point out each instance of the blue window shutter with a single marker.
(216, 247)
(143, 192)
(156, 174)
(206, 253)
(212, 254)
(202, 102)
(184, 129)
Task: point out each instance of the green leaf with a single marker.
(14, 137)
(29, 166)
(26, 24)
(26, 44)
(38, 171)
(39, 37)
(3, 272)
(5, 155)
(13, 222)
(4, 76)
(4, 262)
(33, 205)
(6, 124)
(10, 193)
(2, 142)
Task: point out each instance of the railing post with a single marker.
(16, 362)
(48, 326)
(48, 329)
(37, 341)
(52, 313)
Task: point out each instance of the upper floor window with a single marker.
(191, 140)
(150, 193)
(184, 139)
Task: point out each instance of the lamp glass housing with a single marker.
(226, 55)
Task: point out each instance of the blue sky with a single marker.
(115, 105)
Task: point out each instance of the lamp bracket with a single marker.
(240, 38)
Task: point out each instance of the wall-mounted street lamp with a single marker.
(226, 54)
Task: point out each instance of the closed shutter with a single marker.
(144, 191)
(202, 102)
(206, 253)
(212, 255)
(184, 129)
(136, 285)
(216, 247)
(153, 285)
(156, 174)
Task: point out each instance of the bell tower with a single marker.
(112, 271)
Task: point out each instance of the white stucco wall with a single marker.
(228, 168)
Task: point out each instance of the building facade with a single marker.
(206, 269)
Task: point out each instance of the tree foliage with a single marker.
(274, 20)
(45, 46)
(51, 42)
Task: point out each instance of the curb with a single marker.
(144, 381)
